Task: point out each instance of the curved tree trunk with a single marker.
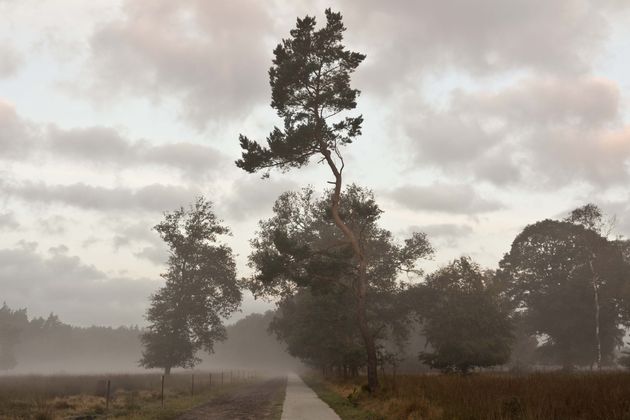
(361, 284)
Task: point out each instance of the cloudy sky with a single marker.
(480, 118)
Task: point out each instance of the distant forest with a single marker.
(47, 345)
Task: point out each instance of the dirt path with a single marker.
(260, 400)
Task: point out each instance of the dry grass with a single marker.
(131, 396)
(595, 396)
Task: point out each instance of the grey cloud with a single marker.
(106, 145)
(62, 283)
(90, 241)
(445, 230)
(155, 197)
(53, 225)
(195, 158)
(250, 196)
(407, 38)
(16, 135)
(158, 255)
(449, 233)
(93, 143)
(10, 60)
(446, 198)
(498, 167)
(138, 232)
(213, 56)
(20, 139)
(582, 102)
(8, 221)
(542, 132)
(448, 138)
(561, 130)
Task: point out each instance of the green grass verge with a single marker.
(340, 404)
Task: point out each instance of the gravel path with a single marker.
(258, 401)
(301, 403)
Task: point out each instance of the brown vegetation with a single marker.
(592, 396)
(131, 396)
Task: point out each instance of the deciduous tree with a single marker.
(186, 315)
(463, 319)
(568, 281)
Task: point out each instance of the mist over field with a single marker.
(52, 347)
(294, 209)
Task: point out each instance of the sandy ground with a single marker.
(252, 402)
(301, 403)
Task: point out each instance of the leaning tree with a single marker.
(310, 85)
(300, 250)
(186, 314)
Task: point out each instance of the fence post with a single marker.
(162, 393)
(231, 377)
(210, 381)
(192, 386)
(221, 378)
(107, 395)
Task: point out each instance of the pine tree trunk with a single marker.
(368, 338)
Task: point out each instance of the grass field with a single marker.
(131, 396)
(593, 396)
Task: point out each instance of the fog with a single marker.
(49, 346)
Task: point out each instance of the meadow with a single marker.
(133, 396)
(483, 396)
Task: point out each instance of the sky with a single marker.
(480, 118)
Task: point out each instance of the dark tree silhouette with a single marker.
(302, 247)
(186, 315)
(12, 323)
(310, 89)
(464, 320)
(569, 282)
(320, 329)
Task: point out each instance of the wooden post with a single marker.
(231, 377)
(162, 393)
(192, 385)
(210, 381)
(107, 395)
(221, 378)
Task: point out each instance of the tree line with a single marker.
(46, 344)
(36, 345)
